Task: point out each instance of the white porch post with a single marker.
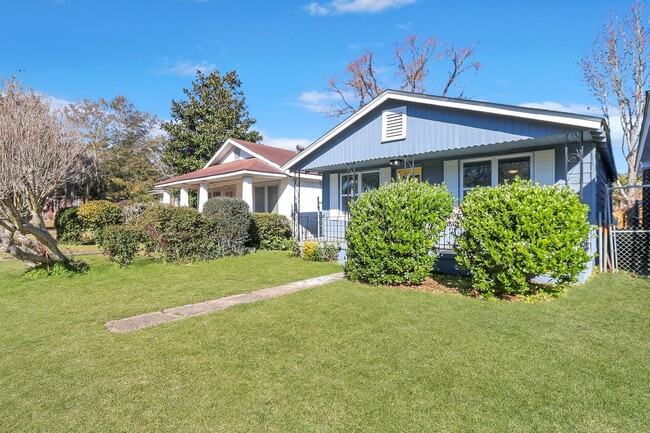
(185, 197)
(167, 197)
(247, 191)
(203, 195)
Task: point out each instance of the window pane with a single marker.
(273, 198)
(369, 181)
(477, 174)
(345, 203)
(512, 168)
(347, 183)
(259, 199)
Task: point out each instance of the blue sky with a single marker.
(285, 51)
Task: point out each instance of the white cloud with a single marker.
(354, 6)
(316, 101)
(315, 9)
(357, 46)
(284, 142)
(188, 68)
(56, 103)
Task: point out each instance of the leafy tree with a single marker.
(39, 151)
(124, 151)
(215, 110)
(361, 84)
(616, 71)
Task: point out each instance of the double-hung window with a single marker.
(354, 184)
(495, 171)
(266, 198)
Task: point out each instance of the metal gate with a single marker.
(630, 230)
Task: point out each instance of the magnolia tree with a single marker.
(39, 152)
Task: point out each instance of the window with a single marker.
(354, 184)
(494, 171)
(405, 173)
(229, 191)
(393, 124)
(511, 168)
(265, 198)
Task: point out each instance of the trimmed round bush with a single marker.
(68, 226)
(176, 234)
(393, 232)
(270, 231)
(120, 244)
(97, 214)
(514, 232)
(230, 221)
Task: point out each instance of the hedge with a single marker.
(120, 244)
(230, 223)
(270, 231)
(394, 230)
(514, 232)
(69, 227)
(176, 234)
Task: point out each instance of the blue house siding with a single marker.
(440, 135)
(429, 129)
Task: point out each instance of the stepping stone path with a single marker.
(191, 310)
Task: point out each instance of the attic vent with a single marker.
(393, 124)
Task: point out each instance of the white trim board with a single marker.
(235, 174)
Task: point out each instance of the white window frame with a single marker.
(266, 196)
(494, 168)
(358, 175)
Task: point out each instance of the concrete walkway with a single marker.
(190, 310)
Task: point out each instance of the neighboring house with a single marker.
(251, 172)
(643, 155)
(459, 142)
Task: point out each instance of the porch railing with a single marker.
(319, 226)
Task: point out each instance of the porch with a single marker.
(267, 192)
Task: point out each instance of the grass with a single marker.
(341, 357)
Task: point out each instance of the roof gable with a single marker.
(271, 155)
(450, 124)
(244, 165)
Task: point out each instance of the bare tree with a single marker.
(358, 87)
(360, 83)
(617, 74)
(39, 152)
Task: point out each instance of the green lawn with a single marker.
(342, 357)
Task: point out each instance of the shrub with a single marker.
(97, 214)
(310, 250)
(230, 220)
(516, 231)
(327, 252)
(270, 231)
(131, 212)
(176, 234)
(120, 244)
(68, 226)
(67, 268)
(393, 232)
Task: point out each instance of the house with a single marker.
(251, 172)
(459, 142)
(643, 154)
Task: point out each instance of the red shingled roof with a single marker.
(251, 164)
(273, 154)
